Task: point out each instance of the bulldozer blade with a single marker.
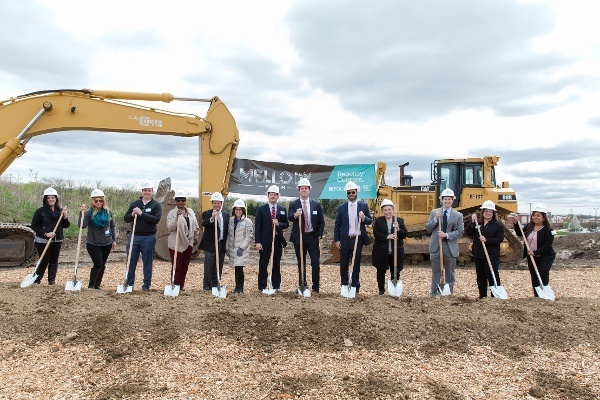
(219, 291)
(29, 280)
(348, 291)
(395, 289)
(499, 292)
(73, 286)
(172, 290)
(303, 292)
(122, 289)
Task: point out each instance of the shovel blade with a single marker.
(172, 290)
(348, 291)
(445, 291)
(545, 292)
(304, 293)
(219, 291)
(395, 289)
(269, 291)
(122, 289)
(499, 292)
(29, 280)
(73, 286)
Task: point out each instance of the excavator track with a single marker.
(16, 245)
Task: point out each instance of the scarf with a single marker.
(100, 218)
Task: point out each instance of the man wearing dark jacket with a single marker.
(219, 218)
(148, 212)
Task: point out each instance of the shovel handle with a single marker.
(441, 250)
(300, 226)
(48, 243)
(530, 256)
(78, 244)
(174, 266)
(395, 244)
(130, 249)
(353, 255)
(487, 257)
(217, 250)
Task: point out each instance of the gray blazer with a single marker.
(455, 230)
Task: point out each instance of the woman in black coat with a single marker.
(540, 236)
(383, 252)
(43, 222)
(492, 234)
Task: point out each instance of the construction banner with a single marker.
(254, 177)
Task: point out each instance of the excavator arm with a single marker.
(24, 117)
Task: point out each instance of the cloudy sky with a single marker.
(326, 82)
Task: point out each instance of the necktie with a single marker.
(272, 212)
(445, 221)
(352, 230)
(220, 226)
(305, 216)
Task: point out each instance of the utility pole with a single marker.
(595, 219)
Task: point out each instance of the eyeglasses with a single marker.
(351, 192)
(98, 201)
(180, 200)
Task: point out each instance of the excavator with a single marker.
(24, 117)
(473, 181)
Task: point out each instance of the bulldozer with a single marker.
(24, 117)
(473, 181)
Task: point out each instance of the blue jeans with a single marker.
(144, 245)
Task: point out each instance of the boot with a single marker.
(239, 279)
(99, 278)
(52, 270)
(93, 277)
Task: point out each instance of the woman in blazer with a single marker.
(239, 238)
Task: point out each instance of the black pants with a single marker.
(99, 255)
(346, 259)
(263, 265)
(484, 275)
(49, 261)
(381, 270)
(310, 242)
(210, 268)
(239, 279)
(543, 264)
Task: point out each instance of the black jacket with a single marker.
(381, 244)
(545, 238)
(207, 243)
(146, 223)
(44, 221)
(494, 235)
(317, 219)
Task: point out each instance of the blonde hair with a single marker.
(93, 204)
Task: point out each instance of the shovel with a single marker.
(30, 279)
(75, 285)
(544, 292)
(395, 285)
(348, 291)
(173, 289)
(446, 290)
(269, 290)
(218, 291)
(124, 288)
(302, 288)
(497, 291)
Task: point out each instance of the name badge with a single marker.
(148, 210)
(314, 212)
(282, 212)
(107, 232)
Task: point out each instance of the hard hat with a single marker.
(538, 207)
(50, 192)
(350, 186)
(304, 182)
(147, 184)
(488, 205)
(447, 193)
(239, 203)
(180, 193)
(97, 193)
(216, 196)
(273, 189)
(387, 202)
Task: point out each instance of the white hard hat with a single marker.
(538, 207)
(216, 196)
(447, 193)
(273, 189)
(97, 193)
(180, 193)
(239, 203)
(50, 192)
(147, 184)
(304, 182)
(387, 202)
(488, 205)
(350, 186)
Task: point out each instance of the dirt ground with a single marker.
(96, 344)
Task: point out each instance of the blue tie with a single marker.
(445, 221)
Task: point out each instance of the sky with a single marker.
(326, 82)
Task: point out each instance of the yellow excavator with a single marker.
(24, 117)
(473, 181)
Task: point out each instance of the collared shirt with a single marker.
(307, 202)
(353, 216)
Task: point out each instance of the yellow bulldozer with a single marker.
(473, 181)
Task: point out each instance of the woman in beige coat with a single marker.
(239, 238)
(188, 236)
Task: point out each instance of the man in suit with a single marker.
(269, 215)
(207, 243)
(313, 225)
(452, 230)
(349, 217)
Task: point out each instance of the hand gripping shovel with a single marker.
(218, 291)
(497, 291)
(30, 279)
(269, 290)
(395, 285)
(349, 291)
(75, 285)
(302, 290)
(446, 290)
(173, 289)
(124, 288)
(544, 292)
